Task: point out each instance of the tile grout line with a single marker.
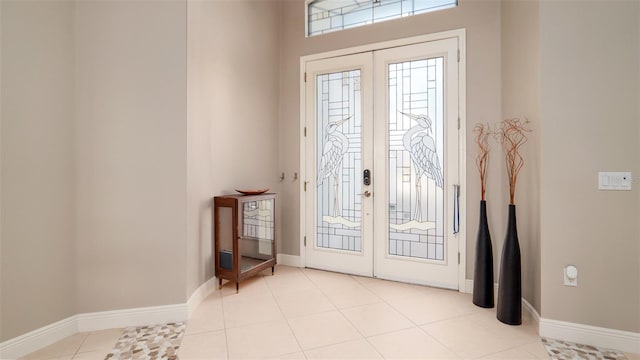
(340, 310)
(410, 321)
(440, 342)
(518, 346)
(91, 332)
(366, 339)
(286, 319)
(224, 321)
(327, 296)
(220, 330)
(392, 307)
(80, 345)
(336, 309)
(419, 326)
(429, 322)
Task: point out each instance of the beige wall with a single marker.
(93, 160)
(233, 84)
(482, 22)
(521, 98)
(589, 109)
(119, 124)
(37, 243)
(130, 153)
(115, 173)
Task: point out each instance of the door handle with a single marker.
(367, 193)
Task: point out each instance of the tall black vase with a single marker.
(483, 276)
(510, 285)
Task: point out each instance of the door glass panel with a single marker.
(416, 155)
(338, 160)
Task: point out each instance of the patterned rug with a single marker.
(564, 350)
(149, 342)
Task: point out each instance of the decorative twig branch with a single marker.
(482, 132)
(511, 134)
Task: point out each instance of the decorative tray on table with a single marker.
(252, 192)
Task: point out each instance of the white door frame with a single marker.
(460, 35)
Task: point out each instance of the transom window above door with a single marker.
(324, 16)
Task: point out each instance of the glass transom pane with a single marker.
(416, 154)
(325, 16)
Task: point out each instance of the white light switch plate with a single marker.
(614, 180)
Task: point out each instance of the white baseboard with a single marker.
(578, 333)
(469, 288)
(289, 260)
(200, 294)
(532, 311)
(591, 335)
(39, 338)
(132, 317)
(525, 304)
(47, 335)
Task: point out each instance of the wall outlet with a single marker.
(570, 275)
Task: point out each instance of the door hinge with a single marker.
(305, 74)
(305, 131)
(305, 186)
(458, 123)
(305, 241)
(458, 258)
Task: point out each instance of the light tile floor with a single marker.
(312, 314)
(83, 346)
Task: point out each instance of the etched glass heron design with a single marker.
(422, 148)
(335, 147)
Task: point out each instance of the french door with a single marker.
(382, 153)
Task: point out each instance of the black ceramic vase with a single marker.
(509, 309)
(483, 276)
